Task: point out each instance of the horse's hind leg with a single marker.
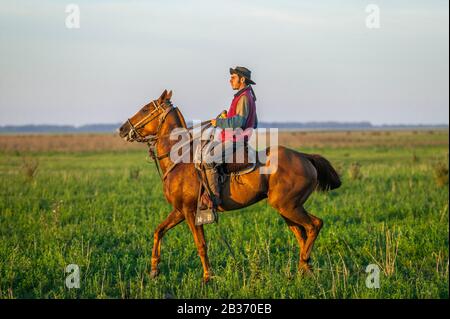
(300, 218)
(299, 233)
(174, 218)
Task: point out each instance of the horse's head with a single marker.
(147, 120)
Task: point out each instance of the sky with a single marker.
(311, 60)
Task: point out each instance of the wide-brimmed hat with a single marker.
(246, 73)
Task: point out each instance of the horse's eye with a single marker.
(145, 111)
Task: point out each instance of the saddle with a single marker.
(240, 166)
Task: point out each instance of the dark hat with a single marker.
(241, 71)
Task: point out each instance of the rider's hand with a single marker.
(222, 115)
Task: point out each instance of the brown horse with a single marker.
(296, 177)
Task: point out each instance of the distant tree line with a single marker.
(111, 128)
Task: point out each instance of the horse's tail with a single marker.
(326, 174)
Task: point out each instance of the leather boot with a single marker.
(212, 176)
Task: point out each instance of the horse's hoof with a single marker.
(154, 273)
(305, 269)
(206, 279)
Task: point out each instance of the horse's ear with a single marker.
(163, 96)
(169, 95)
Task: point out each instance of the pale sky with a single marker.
(311, 60)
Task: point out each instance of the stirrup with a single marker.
(207, 216)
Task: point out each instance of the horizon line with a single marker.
(260, 122)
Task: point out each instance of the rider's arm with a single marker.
(239, 119)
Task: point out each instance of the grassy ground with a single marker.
(99, 210)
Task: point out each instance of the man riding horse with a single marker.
(237, 125)
(286, 188)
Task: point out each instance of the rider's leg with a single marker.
(211, 158)
(212, 175)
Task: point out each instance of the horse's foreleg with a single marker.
(199, 238)
(175, 217)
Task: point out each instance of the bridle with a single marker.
(152, 140)
(147, 119)
(158, 112)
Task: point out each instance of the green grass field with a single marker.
(99, 210)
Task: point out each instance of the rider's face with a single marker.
(236, 82)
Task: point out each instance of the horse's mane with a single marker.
(184, 125)
(181, 117)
